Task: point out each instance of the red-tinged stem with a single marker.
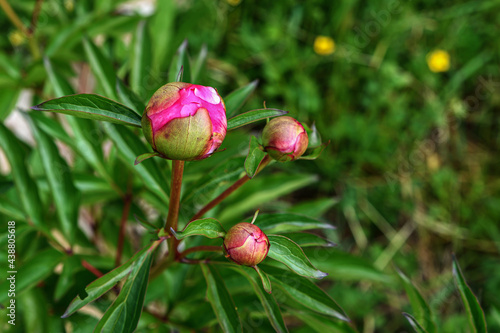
(229, 190)
(173, 208)
(36, 14)
(121, 233)
(92, 269)
(206, 248)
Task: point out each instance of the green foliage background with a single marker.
(410, 177)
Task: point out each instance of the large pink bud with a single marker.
(246, 244)
(284, 139)
(184, 121)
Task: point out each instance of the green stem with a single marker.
(173, 208)
(11, 14)
(229, 190)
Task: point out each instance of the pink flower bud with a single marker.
(246, 244)
(183, 121)
(284, 139)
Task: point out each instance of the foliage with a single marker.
(409, 176)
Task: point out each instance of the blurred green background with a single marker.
(412, 173)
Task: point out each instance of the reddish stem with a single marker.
(229, 190)
(206, 248)
(92, 269)
(173, 207)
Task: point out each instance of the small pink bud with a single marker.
(183, 121)
(284, 139)
(246, 244)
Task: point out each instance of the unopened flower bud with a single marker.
(246, 244)
(284, 139)
(183, 121)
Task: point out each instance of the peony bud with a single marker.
(246, 244)
(284, 139)
(183, 121)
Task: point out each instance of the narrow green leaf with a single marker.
(266, 283)
(86, 136)
(208, 227)
(267, 300)
(91, 106)
(253, 116)
(8, 99)
(37, 318)
(420, 308)
(254, 157)
(289, 253)
(149, 226)
(140, 57)
(52, 127)
(304, 239)
(322, 324)
(180, 61)
(100, 286)
(101, 67)
(315, 152)
(129, 147)
(221, 301)
(414, 323)
(345, 266)
(129, 98)
(123, 315)
(145, 156)
(235, 100)
(284, 222)
(199, 63)
(313, 136)
(305, 292)
(472, 307)
(162, 29)
(67, 278)
(37, 269)
(25, 185)
(59, 176)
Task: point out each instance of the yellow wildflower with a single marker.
(324, 45)
(17, 38)
(438, 61)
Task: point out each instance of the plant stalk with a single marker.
(173, 208)
(205, 248)
(229, 190)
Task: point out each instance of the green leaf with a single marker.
(144, 157)
(313, 136)
(129, 147)
(345, 266)
(316, 152)
(420, 308)
(91, 106)
(8, 99)
(266, 283)
(37, 269)
(53, 128)
(254, 157)
(221, 301)
(101, 67)
(123, 315)
(25, 185)
(235, 100)
(267, 300)
(199, 63)
(59, 176)
(147, 225)
(414, 323)
(305, 292)
(253, 116)
(304, 239)
(129, 98)
(180, 62)
(37, 318)
(162, 29)
(67, 278)
(284, 222)
(100, 286)
(322, 324)
(472, 307)
(289, 253)
(140, 58)
(208, 227)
